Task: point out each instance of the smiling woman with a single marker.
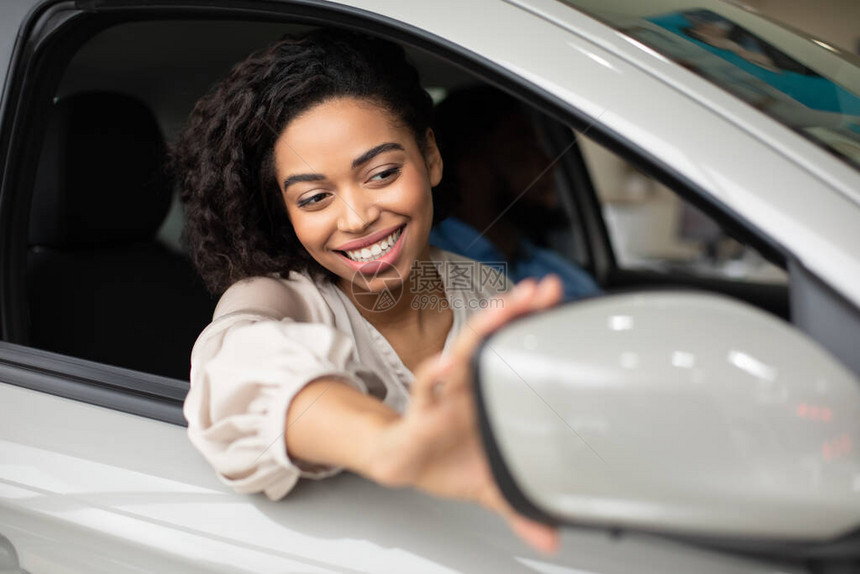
(373, 176)
(341, 342)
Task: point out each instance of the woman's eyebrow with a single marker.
(302, 177)
(357, 162)
(375, 151)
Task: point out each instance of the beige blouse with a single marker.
(270, 336)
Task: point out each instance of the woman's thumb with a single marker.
(536, 534)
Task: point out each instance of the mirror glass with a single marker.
(678, 412)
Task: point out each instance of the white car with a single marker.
(739, 356)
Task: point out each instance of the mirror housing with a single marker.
(680, 413)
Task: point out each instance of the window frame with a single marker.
(135, 392)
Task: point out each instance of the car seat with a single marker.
(101, 285)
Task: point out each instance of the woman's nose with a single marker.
(357, 212)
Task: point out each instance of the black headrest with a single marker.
(101, 173)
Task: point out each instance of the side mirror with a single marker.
(680, 413)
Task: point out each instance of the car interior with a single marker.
(106, 274)
(95, 263)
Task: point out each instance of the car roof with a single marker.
(615, 15)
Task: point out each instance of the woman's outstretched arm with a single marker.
(435, 445)
(334, 424)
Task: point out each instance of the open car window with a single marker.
(106, 278)
(130, 297)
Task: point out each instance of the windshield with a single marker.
(804, 83)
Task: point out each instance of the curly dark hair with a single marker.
(236, 221)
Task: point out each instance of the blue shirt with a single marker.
(533, 261)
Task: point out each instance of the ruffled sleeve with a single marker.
(269, 338)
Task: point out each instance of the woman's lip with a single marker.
(377, 265)
(368, 240)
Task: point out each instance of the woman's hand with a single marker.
(436, 446)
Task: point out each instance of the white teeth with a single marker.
(374, 251)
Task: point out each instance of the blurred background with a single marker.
(835, 21)
(651, 226)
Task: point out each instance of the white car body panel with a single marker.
(75, 479)
(825, 166)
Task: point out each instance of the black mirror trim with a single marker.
(505, 481)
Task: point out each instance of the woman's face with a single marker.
(358, 190)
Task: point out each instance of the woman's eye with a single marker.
(386, 174)
(313, 199)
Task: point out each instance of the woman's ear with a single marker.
(432, 158)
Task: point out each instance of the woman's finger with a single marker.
(537, 534)
(527, 296)
(482, 324)
(430, 372)
(550, 292)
